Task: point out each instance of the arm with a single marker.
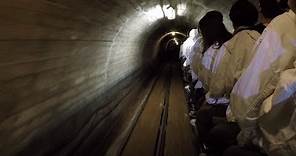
(222, 77)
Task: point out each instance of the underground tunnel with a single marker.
(75, 74)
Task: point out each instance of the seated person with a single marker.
(234, 56)
(269, 10)
(280, 108)
(265, 93)
(214, 34)
(186, 53)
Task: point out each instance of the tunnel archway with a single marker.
(168, 46)
(157, 41)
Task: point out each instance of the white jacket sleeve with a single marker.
(278, 124)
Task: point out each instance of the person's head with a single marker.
(243, 13)
(283, 5)
(213, 30)
(292, 5)
(270, 8)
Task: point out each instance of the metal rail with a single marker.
(161, 136)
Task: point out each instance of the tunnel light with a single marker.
(154, 13)
(173, 33)
(159, 12)
(181, 9)
(169, 12)
(176, 42)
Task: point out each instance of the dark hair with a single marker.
(270, 8)
(259, 28)
(213, 29)
(243, 13)
(284, 5)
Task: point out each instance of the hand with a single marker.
(245, 137)
(249, 132)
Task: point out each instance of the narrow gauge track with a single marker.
(162, 127)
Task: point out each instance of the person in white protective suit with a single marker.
(196, 50)
(239, 50)
(214, 34)
(274, 54)
(185, 49)
(230, 61)
(278, 120)
(235, 54)
(276, 126)
(189, 44)
(186, 52)
(263, 99)
(195, 88)
(191, 50)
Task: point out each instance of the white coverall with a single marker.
(275, 52)
(267, 87)
(189, 48)
(278, 121)
(232, 59)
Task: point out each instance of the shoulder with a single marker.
(284, 22)
(242, 39)
(211, 49)
(247, 35)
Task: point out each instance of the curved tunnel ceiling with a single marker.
(148, 20)
(61, 59)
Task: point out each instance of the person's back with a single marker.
(205, 72)
(237, 56)
(188, 44)
(280, 107)
(186, 47)
(195, 49)
(280, 138)
(238, 50)
(274, 53)
(214, 34)
(231, 61)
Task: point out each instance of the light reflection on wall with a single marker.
(169, 12)
(154, 13)
(166, 11)
(181, 9)
(176, 41)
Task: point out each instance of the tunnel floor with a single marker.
(163, 126)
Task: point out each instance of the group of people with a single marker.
(247, 79)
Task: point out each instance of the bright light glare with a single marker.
(174, 33)
(181, 9)
(154, 13)
(177, 43)
(169, 12)
(157, 12)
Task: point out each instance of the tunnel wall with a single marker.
(59, 62)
